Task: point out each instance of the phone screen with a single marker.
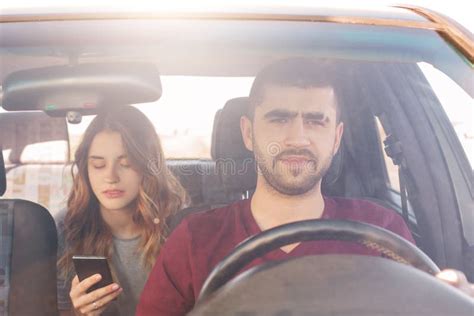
(87, 266)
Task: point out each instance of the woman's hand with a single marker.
(95, 302)
(457, 279)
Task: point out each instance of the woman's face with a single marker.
(113, 180)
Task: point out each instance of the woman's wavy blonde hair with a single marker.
(160, 194)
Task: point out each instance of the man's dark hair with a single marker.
(297, 72)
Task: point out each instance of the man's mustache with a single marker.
(296, 152)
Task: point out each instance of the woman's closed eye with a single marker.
(96, 162)
(98, 165)
(125, 163)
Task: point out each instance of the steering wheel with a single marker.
(371, 236)
(329, 284)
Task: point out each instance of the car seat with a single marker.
(27, 256)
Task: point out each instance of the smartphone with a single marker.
(87, 266)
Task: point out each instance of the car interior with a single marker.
(393, 150)
(29, 244)
(229, 176)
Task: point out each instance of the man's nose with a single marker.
(296, 135)
(112, 175)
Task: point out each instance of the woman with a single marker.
(122, 195)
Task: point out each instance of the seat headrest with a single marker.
(226, 136)
(3, 178)
(33, 137)
(235, 163)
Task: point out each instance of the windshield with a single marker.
(400, 98)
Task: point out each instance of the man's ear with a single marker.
(339, 132)
(246, 130)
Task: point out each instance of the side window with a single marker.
(35, 150)
(391, 169)
(459, 108)
(457, 104)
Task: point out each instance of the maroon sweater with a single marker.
(202, 240)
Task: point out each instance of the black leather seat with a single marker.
(200, 179)
(27, 256)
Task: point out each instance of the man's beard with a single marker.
(273, 170)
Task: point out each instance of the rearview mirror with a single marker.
(83, 88)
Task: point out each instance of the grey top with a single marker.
(131, 273)
(129, 270)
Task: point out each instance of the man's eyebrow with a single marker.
(279, 113)
(319, 116)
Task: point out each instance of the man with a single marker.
(293, 126)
